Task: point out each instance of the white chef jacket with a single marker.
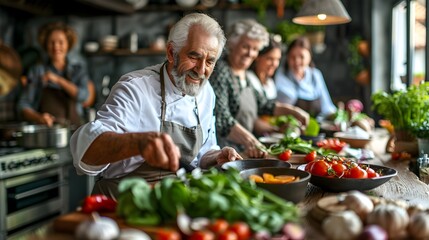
(134, 105)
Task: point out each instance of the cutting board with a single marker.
(69, 222)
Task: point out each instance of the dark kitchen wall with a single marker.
(20, 31)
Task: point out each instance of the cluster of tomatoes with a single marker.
(221, 229)
(332, 143)
(340, 167)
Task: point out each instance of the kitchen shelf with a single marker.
(198, 7)
(127, 52)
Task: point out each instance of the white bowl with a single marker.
(91, 46)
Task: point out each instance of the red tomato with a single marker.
(285, 155)
(166, 234)
(395, 155)
(202, 235)
(308, 166)
(219, 226)
(311, 156)
(372, 173)
(242, 230)
(339, 170)
(98, 203)
(227, 235)
(357, 172)
(320, 168)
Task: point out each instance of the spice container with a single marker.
(423, 164)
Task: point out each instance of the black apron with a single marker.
(59, 104)
(312, 107)
(189, 140)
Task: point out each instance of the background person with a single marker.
(301, 84)
(238, 104)
(57, 88)
(264, 67)
(10, 85)
(155, 116)
(261, 77)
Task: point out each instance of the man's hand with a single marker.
(159, 150)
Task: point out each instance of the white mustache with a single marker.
(194, 75)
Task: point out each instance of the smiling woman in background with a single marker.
(301, 84)
(56, 89)
(264, 67)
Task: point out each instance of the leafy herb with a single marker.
(406, 109)
(213, 195)
(287, 122)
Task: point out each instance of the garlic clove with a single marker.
(97, 228)
(134, 234)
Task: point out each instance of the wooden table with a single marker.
(405, 186)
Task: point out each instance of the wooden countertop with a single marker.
(405, 186)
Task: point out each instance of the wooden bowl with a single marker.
(354, 142)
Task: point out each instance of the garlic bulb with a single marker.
(418, 228)
(342, 225)
(98, 228)
(358, 202)
(392, 218)
(133, 234)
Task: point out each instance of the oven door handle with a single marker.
(35, 191)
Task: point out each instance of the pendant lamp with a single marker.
(322, 12)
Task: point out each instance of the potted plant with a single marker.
(407, 110)
(261, 6)
(421, 131)
(289, 30)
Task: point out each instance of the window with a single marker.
(417, 35)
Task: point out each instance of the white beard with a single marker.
(188, 88)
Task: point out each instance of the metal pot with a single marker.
(42, 136)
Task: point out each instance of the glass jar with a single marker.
(423, 163)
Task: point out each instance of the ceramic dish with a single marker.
(291, 191)
(348, 184)
(354, 142)
(268, 141)
(255, 163)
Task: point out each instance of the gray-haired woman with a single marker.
(238, 104)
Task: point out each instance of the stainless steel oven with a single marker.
(33, 190)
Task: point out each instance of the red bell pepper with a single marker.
(98, 203)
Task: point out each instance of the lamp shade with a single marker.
(322, 12)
